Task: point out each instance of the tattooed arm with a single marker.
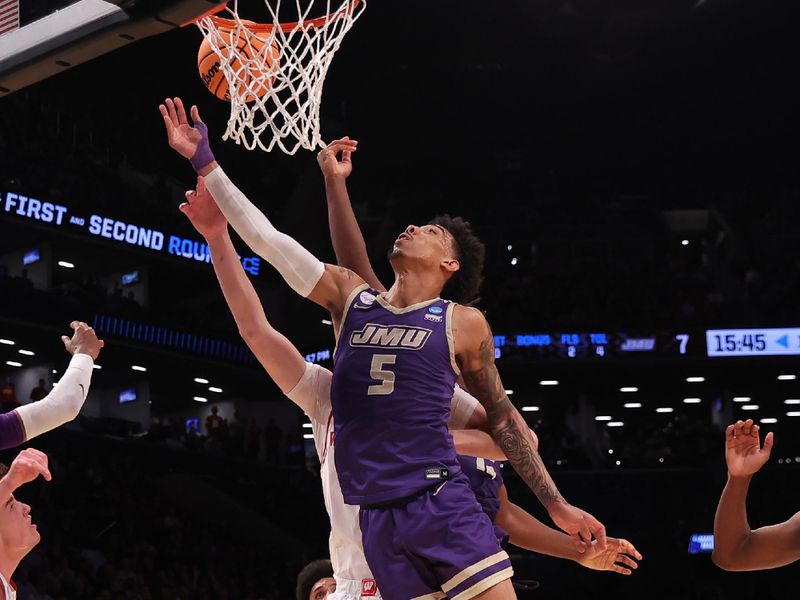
(474, 349)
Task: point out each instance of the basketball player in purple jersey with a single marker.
(423, 532)
(64, 401)
(312, 393)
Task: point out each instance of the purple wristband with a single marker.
(12, 433)
(203, 155)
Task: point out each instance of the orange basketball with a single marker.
(248, 47)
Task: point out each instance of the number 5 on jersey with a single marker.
(386, 377)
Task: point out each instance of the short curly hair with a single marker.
(465, 284)
(311, 574)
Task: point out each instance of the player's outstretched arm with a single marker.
(528, 532)
(348, 241)
(474, 348)
(736, 546)
(326, 285)
(64, 401)
(277, 355)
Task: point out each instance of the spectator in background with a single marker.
(39, 392)
(18, 535)
(215, 424)
(8, 396)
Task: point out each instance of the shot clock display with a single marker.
(753, 342)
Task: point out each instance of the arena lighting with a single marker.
(530, 409)
(633, 405)
(54, 371)
(509, 392)
(26, 352)
(793, 413)
(769, 420)
(628, 389)
(7, 342)
(611, 451)
(692, 400)
(200, 380)
(750, 407)
(211, 388)
(199, 399)
(742, 399)
(615, 424)
(665, 409)
(308, 436)
(509, 247)
(307, 426)
(65, 264)
(327, 322)
(619, 462)
(602, 418)
(548, 382)
(96, 366)
(792, 401)
(787, 377)
(514, 261)
(695, 379)
(13, 363)
(138, 368)
(684, 242)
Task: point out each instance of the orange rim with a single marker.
(229, 24)
(208, 13)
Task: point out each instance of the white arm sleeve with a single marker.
(298, 267)
(313, 392)
(64, 401)
(462, 406)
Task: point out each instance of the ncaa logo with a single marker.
(435, 310)
(366, 298)
(369, 588)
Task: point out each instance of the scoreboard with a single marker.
(597, 345)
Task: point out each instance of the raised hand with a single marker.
(617, 557)
(83, 341)
(203, 212)
(27, 466)
(190, 141)
(328, 158)
(579, 524)
(743, 452)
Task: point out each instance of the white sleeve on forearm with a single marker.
(462, 406)
(298, 267)
(64, 401)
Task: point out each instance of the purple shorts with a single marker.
(439, 544)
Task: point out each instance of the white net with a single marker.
(275, 71)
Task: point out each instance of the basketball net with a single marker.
(275, 71)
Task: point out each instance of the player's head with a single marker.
(315, 581)
(448, 245)
(18, 534)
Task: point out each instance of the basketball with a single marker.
(250, 57)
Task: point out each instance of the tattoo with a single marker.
(347, 272)
(507, 427)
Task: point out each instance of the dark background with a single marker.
(569, 130)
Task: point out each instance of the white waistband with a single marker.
(360, 589)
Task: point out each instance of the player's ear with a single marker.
(451, 265)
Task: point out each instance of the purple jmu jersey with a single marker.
(485, 478)
(393, 377)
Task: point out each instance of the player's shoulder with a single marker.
(469, 320)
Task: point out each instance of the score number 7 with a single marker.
(683, 338)
(386, 377)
